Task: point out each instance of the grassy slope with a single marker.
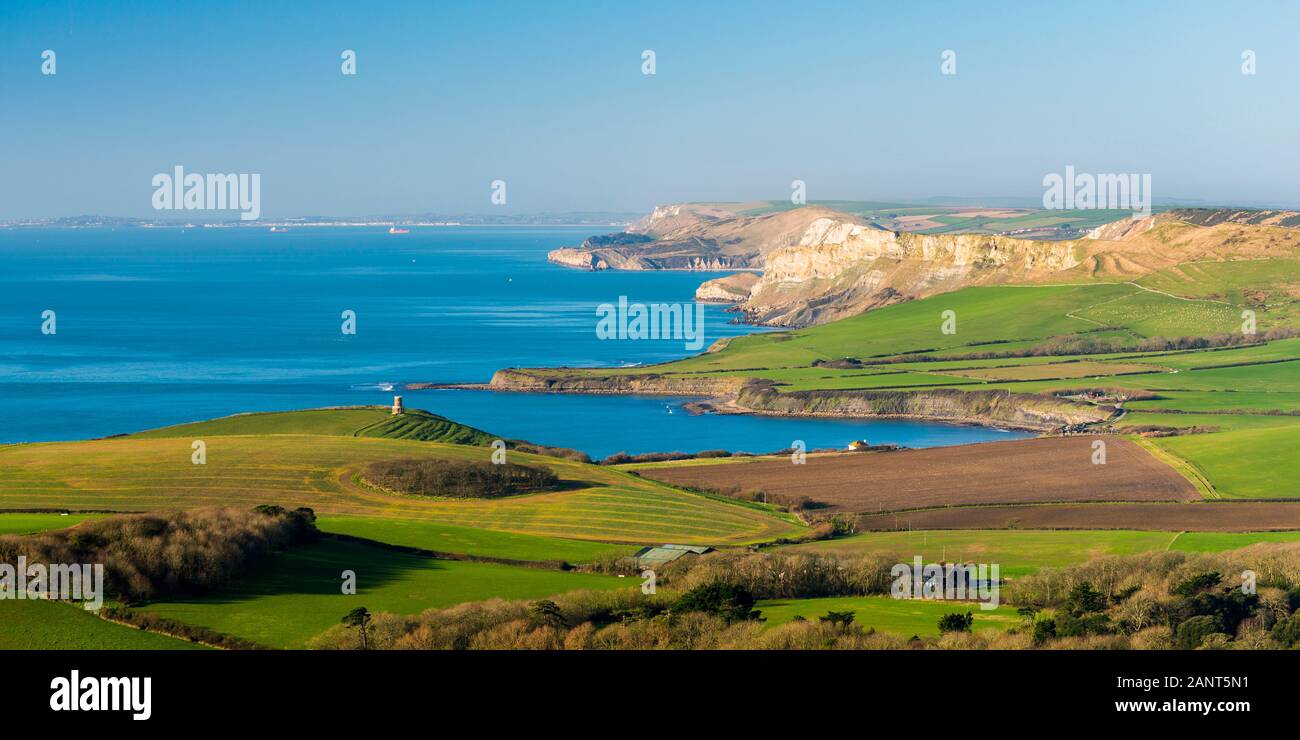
(141, 473)
(298, 594)
(904, 617)
(439, 537)
(360, 421)
(983, 315)
(32, 523)
(50, 625)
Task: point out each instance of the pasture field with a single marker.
(932, 219)
(1281, 349)
(53, 625)
(904, 617)
(322, 472)
(1219, 422)
(297, 595)
(1020, 552)
(431, 535)
(1226, 400)
(985, 314)
(354, 421)
(23, 523)
(1238, 282)
(1055, 371)
(1017, 552)
(1223, 516)
(1223, 541)
(1019, 471)
(1246, 463)
(1155, 314)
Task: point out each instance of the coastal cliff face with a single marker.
(1020, 410)
(729, 289)
(743, 395)
(642, 384)
(692, 237)
(819, 265)
(840, 268)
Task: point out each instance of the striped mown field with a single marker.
(323, 472)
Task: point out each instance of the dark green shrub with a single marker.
(459, 478)
(1193, 631)
(731, 602)
(956, 622)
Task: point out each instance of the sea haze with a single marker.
(162, 326)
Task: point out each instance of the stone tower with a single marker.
(397, 405)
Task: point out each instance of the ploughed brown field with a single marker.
(1020, 471)
(1217, 516)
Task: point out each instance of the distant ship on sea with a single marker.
(278, 229)
(395, 230)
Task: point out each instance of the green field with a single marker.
(356, 421)
(952, 219)
(314, 459)
(983, 315)
(321, 472)
(905, 617)
(298, 594)
(1237, 282)
(1224, 541)
(52, 625)
(438, 537)
(1220, 422)
(1020, 552)
(20, 523)
(1248, 463)
(1016, 552)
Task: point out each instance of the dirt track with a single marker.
(1249, 516)
(1020, 471)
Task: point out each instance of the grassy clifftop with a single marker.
(355, 421)
(314, 458)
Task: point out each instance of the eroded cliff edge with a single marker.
(1028, 411)
(819, 265)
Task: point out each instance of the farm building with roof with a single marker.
(653, 557)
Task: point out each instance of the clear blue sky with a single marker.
(550, 97)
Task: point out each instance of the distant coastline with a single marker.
(615, 221)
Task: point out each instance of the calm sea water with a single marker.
(157, 327)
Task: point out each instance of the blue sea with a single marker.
(162, 326)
